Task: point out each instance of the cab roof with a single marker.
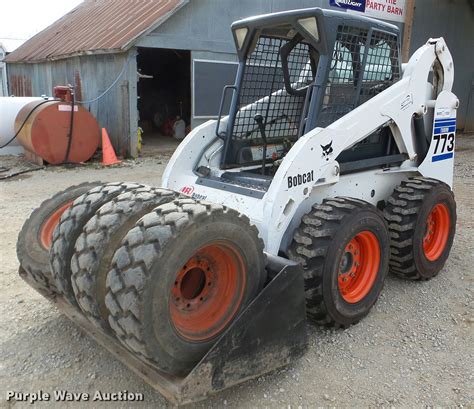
(328, 24)
(284, 17)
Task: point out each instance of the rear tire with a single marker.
(70, 227)
(422, 220)
(343, 246)
(181, 276)
(101, 237)
(35, 238)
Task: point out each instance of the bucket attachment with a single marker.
(268, 334)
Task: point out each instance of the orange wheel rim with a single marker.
(48, 226)
(436, 236)
(359, 266)
(207, 292)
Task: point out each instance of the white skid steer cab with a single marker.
(333, 166)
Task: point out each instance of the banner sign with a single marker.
(393, 10)
(357, 5)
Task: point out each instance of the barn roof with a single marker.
(96, 27)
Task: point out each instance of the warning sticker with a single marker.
(67, 108)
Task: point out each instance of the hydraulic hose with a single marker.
(25, 121)
(71, 127)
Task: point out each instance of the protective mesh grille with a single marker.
(263, 91)
(381, 67)
(361, 67)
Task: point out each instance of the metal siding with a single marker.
(469, 124)
(133, 104)
(453, 20)
(3, 73)
(96, 74)
(204, 25)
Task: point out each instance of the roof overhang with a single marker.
(96, 27)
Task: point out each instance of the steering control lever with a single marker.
(259, 120)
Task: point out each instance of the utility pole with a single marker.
(407, 29)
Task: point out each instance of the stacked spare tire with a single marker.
(164, 274)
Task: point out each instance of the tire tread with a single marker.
(401, 213)
(70, 227)
(41, 273)
(310, 247)
(124, 297)
(94, 242)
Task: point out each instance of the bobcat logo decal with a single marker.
(327, 150)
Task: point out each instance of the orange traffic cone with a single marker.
(108, 154)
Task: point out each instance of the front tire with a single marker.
(100, 238)
(180, 278)
(422, 220)
(70, 227)
(36, 236)
(343, 246)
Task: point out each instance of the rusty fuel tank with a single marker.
(47, 128)
(9, 108)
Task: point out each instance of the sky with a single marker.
(22, 19)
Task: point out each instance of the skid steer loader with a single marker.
(333, 165)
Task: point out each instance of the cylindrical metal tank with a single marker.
(47, 127)
(9, 108)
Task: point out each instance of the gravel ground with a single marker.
(415, 349)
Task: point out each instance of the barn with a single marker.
(138, 64)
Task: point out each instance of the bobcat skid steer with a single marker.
(334, 165)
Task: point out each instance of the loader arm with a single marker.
(394, 107)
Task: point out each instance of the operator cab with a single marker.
(299, 70)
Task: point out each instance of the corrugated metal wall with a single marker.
(91, 75)
(3, 74)
(453, 20)
(204, 25)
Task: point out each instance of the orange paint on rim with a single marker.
(436, 237)
(48, 226)
(208, 291)
(359, 267)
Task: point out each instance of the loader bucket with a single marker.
(269, 334)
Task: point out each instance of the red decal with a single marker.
(187, 190)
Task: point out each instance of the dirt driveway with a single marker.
(416, 348)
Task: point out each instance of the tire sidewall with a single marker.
(70, 228)
(439, 195)
(106, 245)
(165, 340)
(33, 240)
(343, 312)
(29, 242)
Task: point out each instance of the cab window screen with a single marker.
(263, 91)
(363, 64)
(381, 68)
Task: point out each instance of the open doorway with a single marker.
(164, 92)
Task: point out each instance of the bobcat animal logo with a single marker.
(327, 150)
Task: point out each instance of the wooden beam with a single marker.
(407, 29)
